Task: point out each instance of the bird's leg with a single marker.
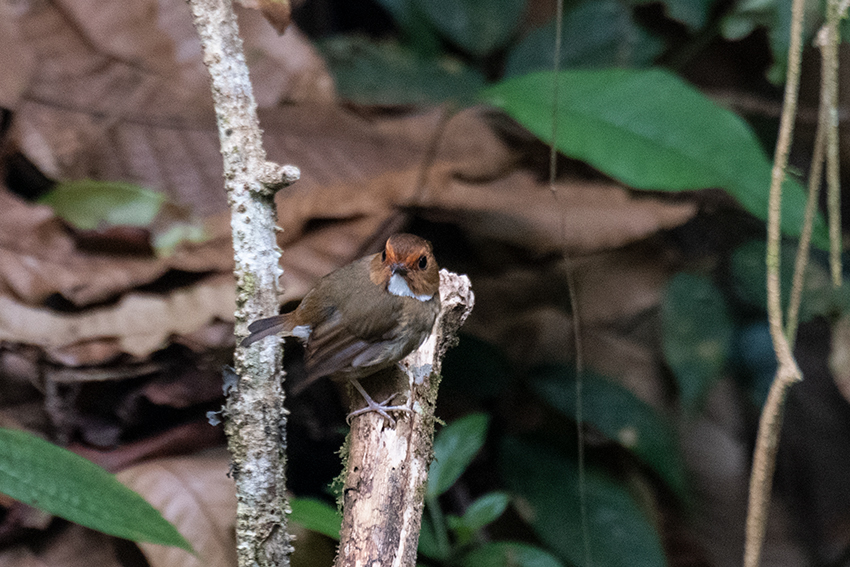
(371, 405)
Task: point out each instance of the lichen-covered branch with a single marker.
(255, 415)
(386, 466)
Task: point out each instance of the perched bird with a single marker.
(365, 316)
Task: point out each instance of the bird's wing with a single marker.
(334, 346)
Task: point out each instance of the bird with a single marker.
(364, 317)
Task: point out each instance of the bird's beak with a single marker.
(400, 269)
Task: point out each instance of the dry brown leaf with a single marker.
(141, 323)
(284, 68)
(123, 94)
(16, 59)
(183, 439)
(195, 494)
(39, 258)
(276, 12)
(527, 314)
(72, 546)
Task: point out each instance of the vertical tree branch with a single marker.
(256, 418)
(387, 467)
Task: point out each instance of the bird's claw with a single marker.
(381, 408)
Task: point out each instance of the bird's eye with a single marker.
(423, 262)
(384, 255)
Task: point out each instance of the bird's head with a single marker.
(407, 267)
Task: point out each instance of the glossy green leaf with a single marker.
(650, 130)
(454, 448)
(316, 516)
(476, 26)
(620, 416)
(619, 533)
(509, 554)
(57, 481)
(620, 42)
(89, 204)
(697, 332)
(388, 74)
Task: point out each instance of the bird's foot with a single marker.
(381, 408)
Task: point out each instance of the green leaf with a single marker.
(746, 16)
(485, 510)
(697, 333)
(650, 130)
(749, 276)
(454, 448)
(316, 516)
(509, 554)
(620, 416)
(481, 512)
(620, 42)
(428, 544)
(57, 481)
(388, 74)
(420, 34)
(89, 204)
(619, 533)
(476, 26)
(692, 13)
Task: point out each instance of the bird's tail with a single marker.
(262, 328)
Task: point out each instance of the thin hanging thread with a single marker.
(553, 166)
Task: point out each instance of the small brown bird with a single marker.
(365, 316)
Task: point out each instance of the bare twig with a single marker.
(387, 467)
(256, 418)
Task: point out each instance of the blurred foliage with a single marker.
(652, 131)
(62, 483)
(446, 539)
(621, 113)
(697, 335)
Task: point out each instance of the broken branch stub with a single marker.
(387, 467)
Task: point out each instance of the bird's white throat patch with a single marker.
(400, 288)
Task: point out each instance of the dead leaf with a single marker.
(276, 12)
(182, 439)
(72, 546)
(123, 94)
(195, 494)
(39, 258)
(140, 323)
(16, 58)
